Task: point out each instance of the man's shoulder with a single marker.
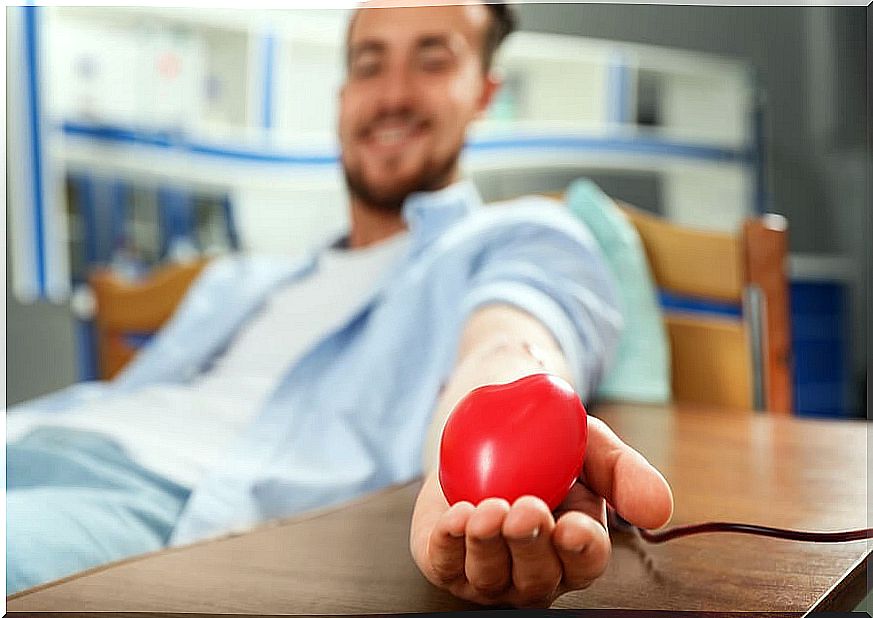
(532, 227)
(529, 209)
(529, 215)
(521, 202)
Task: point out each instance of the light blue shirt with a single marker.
(351, 415)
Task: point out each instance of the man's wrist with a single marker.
(499, 361)
(506, 345)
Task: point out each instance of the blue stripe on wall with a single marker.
(632, 145)
(267, 97)
(618, 144)
(31, 43)
(759, 158)
(618, 91)
(624, 110)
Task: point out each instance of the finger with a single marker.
(581, 498)
(583, 547)
(536, 569)
(487, 563)
(446, 546)
(629, 483)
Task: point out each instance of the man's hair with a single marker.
(501, 25)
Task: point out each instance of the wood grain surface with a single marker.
(723, 465)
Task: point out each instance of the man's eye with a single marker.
(435, 62)
(365, 68)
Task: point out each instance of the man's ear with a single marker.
(491, 84)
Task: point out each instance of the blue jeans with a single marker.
(74, 500)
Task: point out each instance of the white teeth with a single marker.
(390, 137)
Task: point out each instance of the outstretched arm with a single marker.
(522, 554)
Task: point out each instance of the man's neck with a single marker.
(370, 225)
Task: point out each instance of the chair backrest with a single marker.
(742, 357)
(128, 313)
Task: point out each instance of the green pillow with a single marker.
(641, 370)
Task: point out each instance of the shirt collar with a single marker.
(428, 214)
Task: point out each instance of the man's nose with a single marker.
(397, 89)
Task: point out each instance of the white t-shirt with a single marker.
(181, 430)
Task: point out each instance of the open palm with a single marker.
(521, 554)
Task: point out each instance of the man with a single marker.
(342, 369)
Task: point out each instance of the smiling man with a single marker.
(282, 386)
(417, 77)
(410, 94)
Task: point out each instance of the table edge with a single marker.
(284, 521)
(848, 590)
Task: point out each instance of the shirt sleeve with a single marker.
(541, 260)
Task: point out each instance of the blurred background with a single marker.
(144, 136)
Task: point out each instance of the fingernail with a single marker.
(486, 539)
(527, 539)
(456, 535)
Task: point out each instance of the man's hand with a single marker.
(495, 553)
(523, 555)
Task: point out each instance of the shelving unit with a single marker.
(241, 105)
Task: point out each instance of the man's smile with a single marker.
(391, 136)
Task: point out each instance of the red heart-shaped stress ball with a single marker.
(526, 437)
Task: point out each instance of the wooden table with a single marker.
(736, 466)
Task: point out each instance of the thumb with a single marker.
(628, 482)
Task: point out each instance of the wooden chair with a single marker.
(127, 313)
(742, 361)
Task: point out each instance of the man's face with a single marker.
(414, 83)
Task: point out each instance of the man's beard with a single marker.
(432, 176)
